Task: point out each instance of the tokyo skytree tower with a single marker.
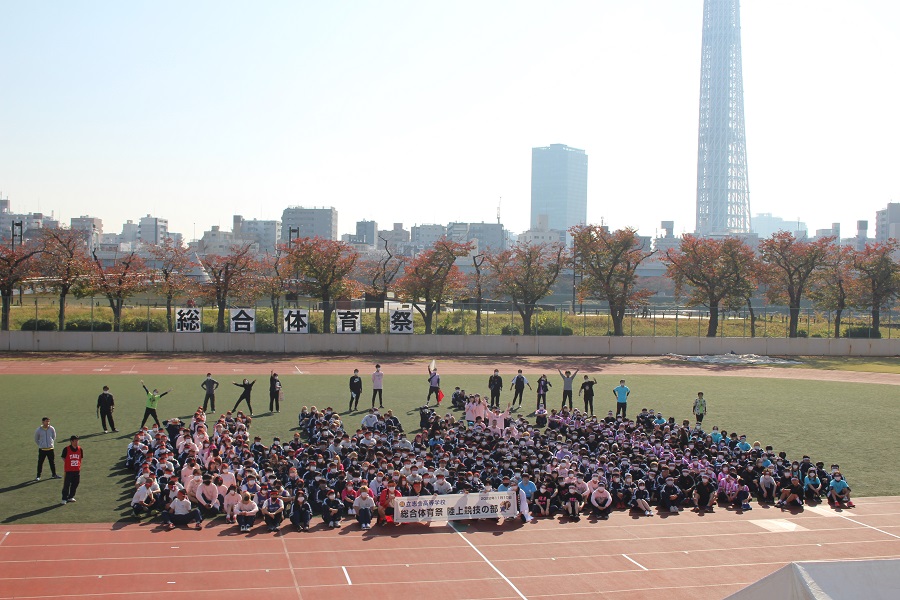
(723, 198)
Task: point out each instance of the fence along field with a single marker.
(31, 312)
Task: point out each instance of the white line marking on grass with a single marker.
(870, 527)
(635, 562)
(490, 564)
(346, 574)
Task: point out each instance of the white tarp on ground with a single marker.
(863, 579)
(734, 359)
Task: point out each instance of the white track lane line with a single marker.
(346, 574)
(490, 564)
(636, 562)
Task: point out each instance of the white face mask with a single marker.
(364, 495)
(331, 496)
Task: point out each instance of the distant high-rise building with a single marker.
(487, 235)
(559, 186)
(765, 224)
(887, 223)
(85, 223)
(267, 234)
(153, 230)
(394, 236)
(723, 197)
(424, 236)
(297, 221)
(366, 232)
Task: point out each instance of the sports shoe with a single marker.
(115, 431)
(72, 499)
(746, 506)
(850, 504)
(648, 513)
(56, 477)
(38, 478)
(673, 509)
(105, 431)
(63, 502)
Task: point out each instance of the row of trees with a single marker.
(719, 274)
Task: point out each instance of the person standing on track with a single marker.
(620, 393)
(72, 456)
(377, 384)
(152, 402)
(106, 404)
(568, 377)
(518, 384)
(44, 438)
(355, 390)
(209, 385)
(247, 386)
(587, 388)
(495, 384)
(274, 392)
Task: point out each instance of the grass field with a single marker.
(849, 424)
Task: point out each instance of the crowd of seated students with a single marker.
(566, 463)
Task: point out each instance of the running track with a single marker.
(683, 556)
(174, 364)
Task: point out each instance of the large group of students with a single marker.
(566, 462)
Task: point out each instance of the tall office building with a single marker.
(558, 186)
(297, 221)
(723, 197)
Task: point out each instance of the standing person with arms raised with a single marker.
(152, 402)
(106, 404)
(72, 456)
(209, 386)
(568, 377)
(274, 392)
(518, 384)
(620, 393)
(356, 388)
(44, 438)
(377, 386)
(247, 386)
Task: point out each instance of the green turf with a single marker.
(833, 422)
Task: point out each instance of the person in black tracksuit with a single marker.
(518, 384)
(274, 392)
(209, 385)
(247, 386)
(355, 390)
(106, 404)
(587, 388)
(495, 384)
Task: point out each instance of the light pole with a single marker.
(16, 225)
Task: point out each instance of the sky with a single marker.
(426, 112)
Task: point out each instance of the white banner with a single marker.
(454, 507)
(402, 321)
(187, 320)
(243, 320)
(296, 321)
(348, 321)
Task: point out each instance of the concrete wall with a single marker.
(71, 341)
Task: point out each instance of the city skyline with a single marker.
(407, 113)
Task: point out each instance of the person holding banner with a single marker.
(386, 502)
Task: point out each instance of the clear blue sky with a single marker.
(426, 112)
